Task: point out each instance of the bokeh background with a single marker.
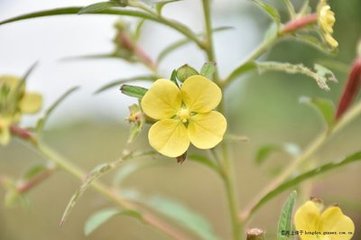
(91, 129)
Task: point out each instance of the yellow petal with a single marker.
(169, 137)
(30, 103)
(10, 81)
(206, 130)
(4, 131)
(307, 218)
(162, 100)
(333, 220)
(200, 94)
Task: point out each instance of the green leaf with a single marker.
(177, 212)
(138, 30)
(243, 68)
(12, 196)
(185, 72)
(285, 220)
(270, 10)
(324, 107)
(34, 171)
(160, 4)
(182, 42)
(204, 161)
(313, 42)
(208, 69)
(102, 216)
(75, 11)
(306, 176)
(99, 7)
(265, 151)
(133, 91)
(173, 77)
(42, 121)
(184, 216)
(290, 8)
(321, 74)
(95, 174)
(115, 83)
(134, 166)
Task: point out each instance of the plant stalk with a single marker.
(107, 192)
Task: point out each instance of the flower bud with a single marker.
(185, 72)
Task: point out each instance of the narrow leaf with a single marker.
(265, 151)
(305, 176)
(133, 91)
(313, 42)
(208, 69)
(75, 11)
(243, 68)
(176, 211)
(324, 107)
(96, 173)
(204, 161)
(182, 42)
(42, 121)
(285, 220)
(126, 80)
(34, 171)
(102, 216)
(159, 5)
(98, 7)
(270, 10)
(321, 75)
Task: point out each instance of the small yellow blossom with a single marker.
(185, 115)
(326, 20)
(14, 101)
(315, 224)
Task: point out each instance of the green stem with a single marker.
(209, 46)
(227, 165)
(259, 51)
(108, 192)
(307, 154)
(231, 194)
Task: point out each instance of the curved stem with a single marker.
(227, 165)
(309, 152)
(184, 30)
(108, 192)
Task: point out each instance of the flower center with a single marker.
(183, 115)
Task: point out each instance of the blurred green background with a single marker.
(265, 108)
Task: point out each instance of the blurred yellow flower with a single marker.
(14, 101)
(326, 20)
(185, 115)
(315, 224)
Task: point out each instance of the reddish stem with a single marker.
(299, 23)
(21, 132)
(351, 89)
(35, 181)
(127, 43)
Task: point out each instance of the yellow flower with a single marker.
(326, 20)
(185, 115)
(316, 224)
(14, 101)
